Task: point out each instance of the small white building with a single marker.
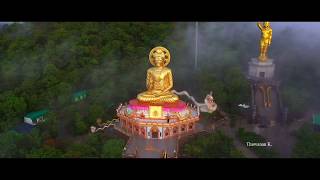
(36, 117)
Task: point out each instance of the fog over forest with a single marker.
(44, 64)
(295, 49)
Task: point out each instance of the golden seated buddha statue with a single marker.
(159, 78)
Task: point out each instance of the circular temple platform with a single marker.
(157, 121)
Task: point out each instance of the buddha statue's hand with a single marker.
(166, 90)
(154, 92)
(158, 94)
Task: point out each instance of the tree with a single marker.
(50, 75)
(113, 148)
(261, 151)
(96, 141)
(63, 93)
(12, 108)
(211, 146)
(296, 99)
(95, 112)
(45, 152)
(49, 128)
(81, 151)
(8, 145)
(210, 82)
(32, 140)
(237, 88)
(307, 143)
(79, 126)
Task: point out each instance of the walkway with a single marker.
(238, 144)
(140, 147)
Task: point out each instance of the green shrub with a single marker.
(261, 151)
(307, 143)
(215, 145)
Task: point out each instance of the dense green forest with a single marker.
(215, 145)
(308, 143)
(43, 64)
(261, 151)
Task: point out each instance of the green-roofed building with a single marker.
(316, 122)
(79, 96)
(35, 117)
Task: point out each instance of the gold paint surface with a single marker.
(159, 79)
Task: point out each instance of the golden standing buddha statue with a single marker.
(159, 78)
(265, 41)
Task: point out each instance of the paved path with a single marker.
(140, 147)
(238, 144)
(282, 137)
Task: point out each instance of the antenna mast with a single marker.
(196, 47)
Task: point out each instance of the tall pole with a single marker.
(196, 47)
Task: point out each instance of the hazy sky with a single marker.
(306, 32)
(313, 27)
(310, 26)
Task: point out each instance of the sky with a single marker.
(309, 26)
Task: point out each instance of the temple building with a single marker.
(160, 121)
(36, 117)
(316, 122)
(79, 96)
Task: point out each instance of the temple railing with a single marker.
(152, 122)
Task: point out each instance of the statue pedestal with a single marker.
(264, 90)
(261, 70)
(157, 121)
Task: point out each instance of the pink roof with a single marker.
(178, 106)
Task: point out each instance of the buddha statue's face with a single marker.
(159, 57)
(266, 24)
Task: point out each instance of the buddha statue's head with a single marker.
(159, 56)
(266, 24)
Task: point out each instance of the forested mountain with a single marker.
(43, 64)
